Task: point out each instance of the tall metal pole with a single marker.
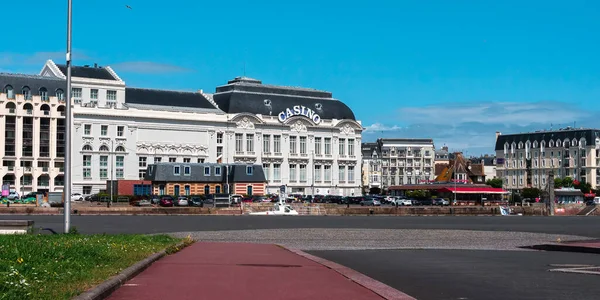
(313, 174)
(68, 121)
(112, 172)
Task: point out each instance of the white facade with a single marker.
(112, 139)
(525, 160)
(407, 161)
(31, 121)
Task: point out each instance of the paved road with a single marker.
(582, 226)
(473, 274)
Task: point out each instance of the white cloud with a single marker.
(147, 67)
(472, 126)
(494, 113)
(12, 59)
(378, 127)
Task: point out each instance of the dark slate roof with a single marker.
(34, 82)
(368, 149)
(164, 172)
(250, 95)
(94, 72)
(590, 136)
(487, 160)
(167, 98)
(239, 174)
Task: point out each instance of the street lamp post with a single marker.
(68, 121)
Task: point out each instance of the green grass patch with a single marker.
(64, 265)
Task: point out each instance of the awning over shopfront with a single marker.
(473, 190)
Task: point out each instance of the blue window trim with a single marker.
(205, 168)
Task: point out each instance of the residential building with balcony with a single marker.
(32, 113)
(371, 167)
(526, 159)
(406, 161)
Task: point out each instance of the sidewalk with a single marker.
(247, 271)
(586, 246)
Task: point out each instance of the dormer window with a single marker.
(206, 171)
(43, 94)
(60, 94)
(26, 93)
(249, 170)
(10, 93)
(217, 171)
(176, 170)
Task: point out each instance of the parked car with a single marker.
(13, 195)
(370, 202)
(196, 201)
(425, 202)
(182, 201)
(76, 197)
(155, 199)
(92, 198)
(441, 202)
(404, 202)
(166, 201)
(143, 202)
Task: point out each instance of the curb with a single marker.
(377, 287)
(104, 289)
(564, 248)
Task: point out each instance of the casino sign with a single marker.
(299, 110)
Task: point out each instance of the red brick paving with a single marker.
(239, 271)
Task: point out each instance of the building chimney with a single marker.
(498, 133)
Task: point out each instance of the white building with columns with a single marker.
(304, 138)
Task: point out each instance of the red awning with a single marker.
(590, 195)
(474, 190)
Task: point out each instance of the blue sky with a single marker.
(455, 71)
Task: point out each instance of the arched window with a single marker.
(551, 144)
(26, 93)
(44, 94)
(535, 144)
(120, 149)
(206, 189)
(87, 147)
(218, 189)
(60, 94)
(11, 107)
(28, 108)
(10, 93)
(104, 148)
(45, 108)
(61, 110)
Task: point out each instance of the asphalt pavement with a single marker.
(575, 225)
(474, 274)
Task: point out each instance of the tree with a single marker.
(530, 193)
(583, 186)
(494, 182)
(418, 194)
(567, 182)
(558, 183)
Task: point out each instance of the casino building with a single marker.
(526, 159)
(303, 138)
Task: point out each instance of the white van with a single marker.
(597, 200)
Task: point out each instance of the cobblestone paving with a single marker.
(361, 239)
